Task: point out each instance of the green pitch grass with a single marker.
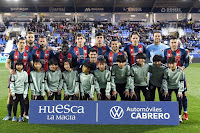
(190, 126)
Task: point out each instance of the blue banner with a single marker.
(195, 10)
(56, 9)
(3, 59)
(195, 55)
(171, 10)
(94, 9)
(132, 9)
(104, 112)
(18, 9)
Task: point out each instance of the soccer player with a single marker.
(100, 46)
(43, 53)
(30, 38)
(65, 54)
(157, 48)
(111, 56)
(157, 71)
(37, 82)
(173, 80)
(134, 48)
(92, 59)
(103, 77)
(183, 62)
(80, 50)
(15, 55)
(70, 81)
(19, 89)
(120, 73)
(139, 72)
(54, 81)
(86, 82)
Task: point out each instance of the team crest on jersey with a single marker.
(25, 57)
(46, 55)
(178, 54)
(169, 55)
(140, 49)
(131, 50)
(85, 51)
(16, 57)
(110, 57)
(37, 55)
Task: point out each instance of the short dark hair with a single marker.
(135, 33)
(53, 62)
(171, 60)
(121, 58)
(173, 38)
(79, 35)
(37, 61)
(19, 62)
(114, 39)
(156, 32)
(42, 36)
(88, 65)
(101, 60)
(21, 38)
(92, 50)
(65, 42)
(140, 56)
(157, 58)
(69, 61)
(99, 34)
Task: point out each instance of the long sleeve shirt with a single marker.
(70, 82)
(54, 80)
(19, 83)
(173, 80)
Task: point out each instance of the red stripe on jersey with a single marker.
(61, 59)
(16, 57)
(85, 52)
(76, 50)
(27, 48)
(46, 58)
(110, 58)
(69, 56)
(38, 54)
(104, 49)
(140, 48)
(35, 47)
(169, 53)
(120, 53)
(178, 57)
(132, 52)
(95, 47)
(25, 58)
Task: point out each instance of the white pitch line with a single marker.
(97, 112)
